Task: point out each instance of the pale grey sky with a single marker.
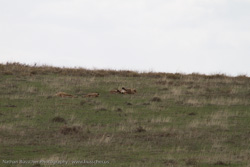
(205, 36)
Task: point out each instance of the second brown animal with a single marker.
(123, 91)
(92, 95)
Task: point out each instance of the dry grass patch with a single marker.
(176, 91)
(219, 101)
(160, 120)
(178, 149)
(129, 125)
(6, 127)
(28, 112)
(219, 118)
(193, 102)
(100, 140)
(224, 158)
(101, 108)
(229, 101)
(67, 130)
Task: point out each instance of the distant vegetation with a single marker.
(22, 69)
(172, 120)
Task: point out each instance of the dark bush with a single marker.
(70, 130)
(156, 99)
(59, 119)
(140, 129)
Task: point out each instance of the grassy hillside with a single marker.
(174, 119)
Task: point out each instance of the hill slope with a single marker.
(173, 120)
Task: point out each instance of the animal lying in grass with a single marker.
(123, 91)
(63, 94)
(92, 95)
(129, 91)
(116, 91)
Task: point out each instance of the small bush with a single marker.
(220, 163)
(192, 113)
(161, 82)
(102, 109)
(156, 99)
(174, 76)
(241, 77)
(33, 72)
(82, 103)
(70, 130)
(191, 162)
(129, 104)
(140, 129)
(8, 73)
(216, 76)
(10, 105)
(119, 110)
(59, 119)
(170, 162)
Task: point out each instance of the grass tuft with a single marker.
(156, 99)
(59, 119)
(66, 130)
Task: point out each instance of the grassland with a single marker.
(174, 119)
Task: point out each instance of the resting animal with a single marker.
(129, 91)
(63, 94)
(92, 95)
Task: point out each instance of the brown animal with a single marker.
(129, 91)
(115, 91)
(63, 94)
(123, 91)
(92, 95)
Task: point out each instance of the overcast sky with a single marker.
(205, 36)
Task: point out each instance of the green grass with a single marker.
(198, 120)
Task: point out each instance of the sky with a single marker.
(186, 36)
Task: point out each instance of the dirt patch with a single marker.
(118, 110)
(191, 162)
(82, 103)
(140, 129)
(161, 82)
(156, 99)
(70, 130)
(59, 119)
(10, 105)
(219, 163)
(170, 162)
(192, 113)
(164, 89)
(129, 104)
(49, 97)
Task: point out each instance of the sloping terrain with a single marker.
(173, 119)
